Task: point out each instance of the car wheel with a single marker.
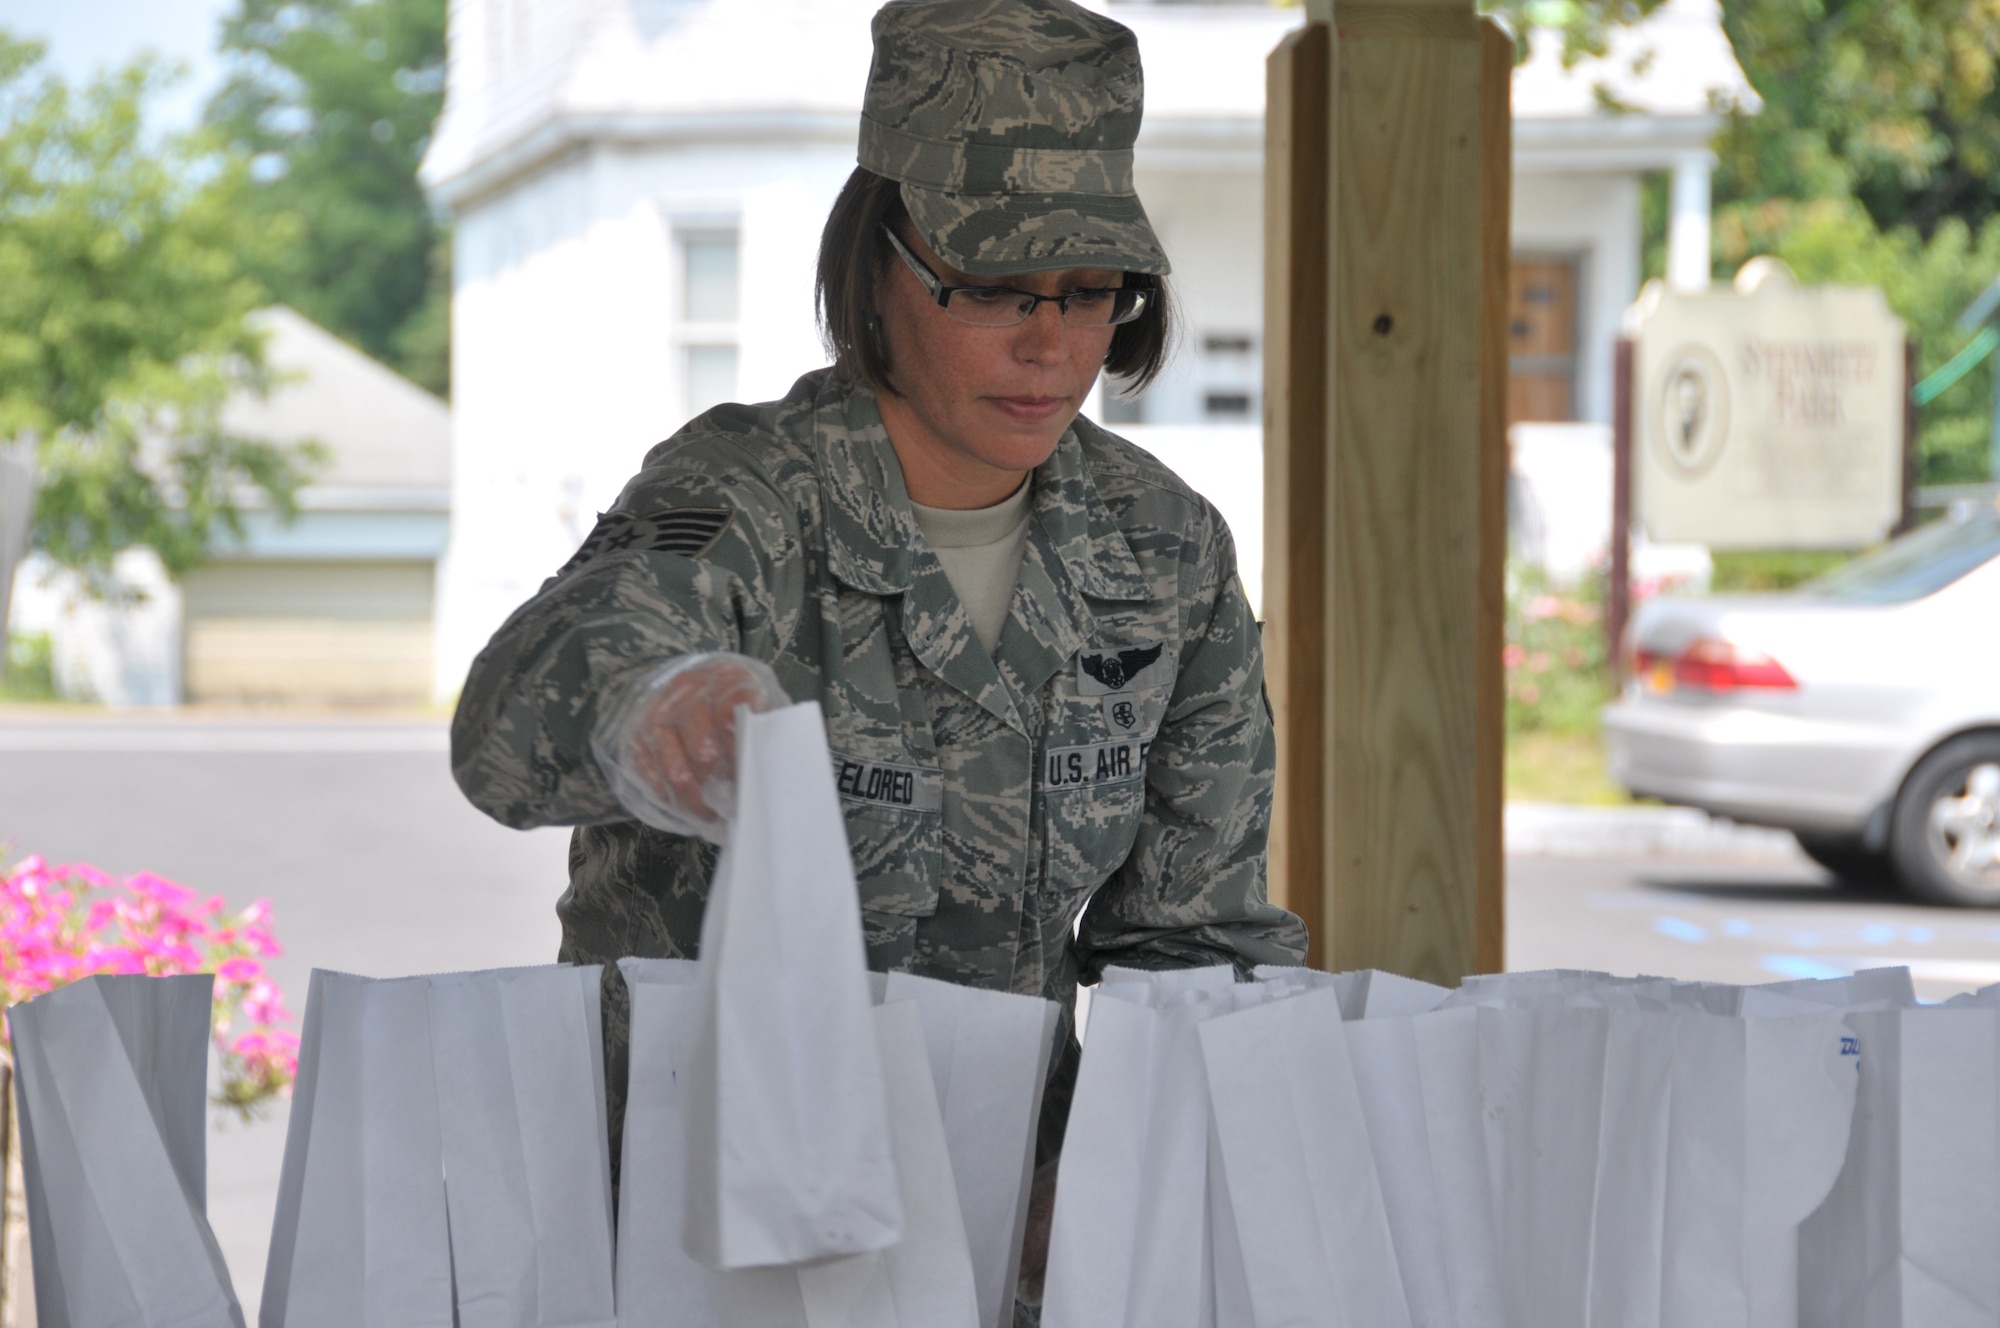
(1851, 861)
(1946, 838)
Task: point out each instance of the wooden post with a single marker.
(1385, 508)
(1618, 584)
(1295, 348)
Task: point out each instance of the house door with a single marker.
(1541, 339)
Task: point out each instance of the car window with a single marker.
(1910, 568)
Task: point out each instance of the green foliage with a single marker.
(30, 673)
(1560, 767)
(334, 102)
(1928, 283)
(1585, 25)
(1876, 160)
(1891, 102)
(1760, 570)
(1655, 202)
(123, 293)
(1556, 667)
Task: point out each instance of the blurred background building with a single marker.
(639, 187)
(333, 607)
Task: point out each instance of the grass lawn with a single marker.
(1560, 767)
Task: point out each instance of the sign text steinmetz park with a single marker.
(1769, 415)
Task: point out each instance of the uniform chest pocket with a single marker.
(898, 857)
(1092, 797)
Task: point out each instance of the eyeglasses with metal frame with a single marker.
(1003, 306)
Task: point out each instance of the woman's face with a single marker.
(980, 406)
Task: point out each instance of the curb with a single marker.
(1557, 830)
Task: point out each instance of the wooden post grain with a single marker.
(1295, 290)
(1386, 524)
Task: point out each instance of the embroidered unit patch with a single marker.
(1103, 672)
(688, 531)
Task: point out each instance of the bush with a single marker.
(59, 923)
(1928, 282)
(1556, 664)
(30, 673)
(1769, 569)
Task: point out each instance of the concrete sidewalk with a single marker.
(1559, 830)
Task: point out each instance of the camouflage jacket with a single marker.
(1113, 760)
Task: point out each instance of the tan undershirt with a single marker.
(981, 551)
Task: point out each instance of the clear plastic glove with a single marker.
(668, 746)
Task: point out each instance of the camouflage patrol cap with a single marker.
(1009, 125)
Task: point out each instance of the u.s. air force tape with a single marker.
(688, 531)
(1095, 764)
(883, 784)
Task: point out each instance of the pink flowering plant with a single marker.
(59, 923)
(1554, 658)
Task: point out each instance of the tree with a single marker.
(334, 102)
(1891, 102)
(1876, 160)
(123, 295)
(1926, 281)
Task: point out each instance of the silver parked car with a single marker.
(1860, 711)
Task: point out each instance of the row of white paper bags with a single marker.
(447, 1158)
(1532, 1150)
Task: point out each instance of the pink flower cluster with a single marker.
(61, 922)
(1573, 611)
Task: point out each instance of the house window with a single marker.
(1541, 338)
(1230, 369)
(709, 309)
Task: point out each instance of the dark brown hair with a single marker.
(852, 251)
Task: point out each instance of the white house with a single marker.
(333, 607)
(639, 187)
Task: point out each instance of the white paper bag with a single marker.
(360, 1238)
(1949, 1209)
(1907, 1236)
(519, 1057)
(1447, 1049)
(924, 1280)
(1542, 1083)
(658, 1283)
(989, 1054)
(1389, 1084)
(787, 1120)
(1373, 994)
(1128, 1244)
(1311, 1222)
(112, 1083)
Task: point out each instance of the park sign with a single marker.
(1768, 415)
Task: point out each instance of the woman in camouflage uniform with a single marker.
(1041, 678)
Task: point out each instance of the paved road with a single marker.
(1745, 919)
(372, 860)
(375, 865)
